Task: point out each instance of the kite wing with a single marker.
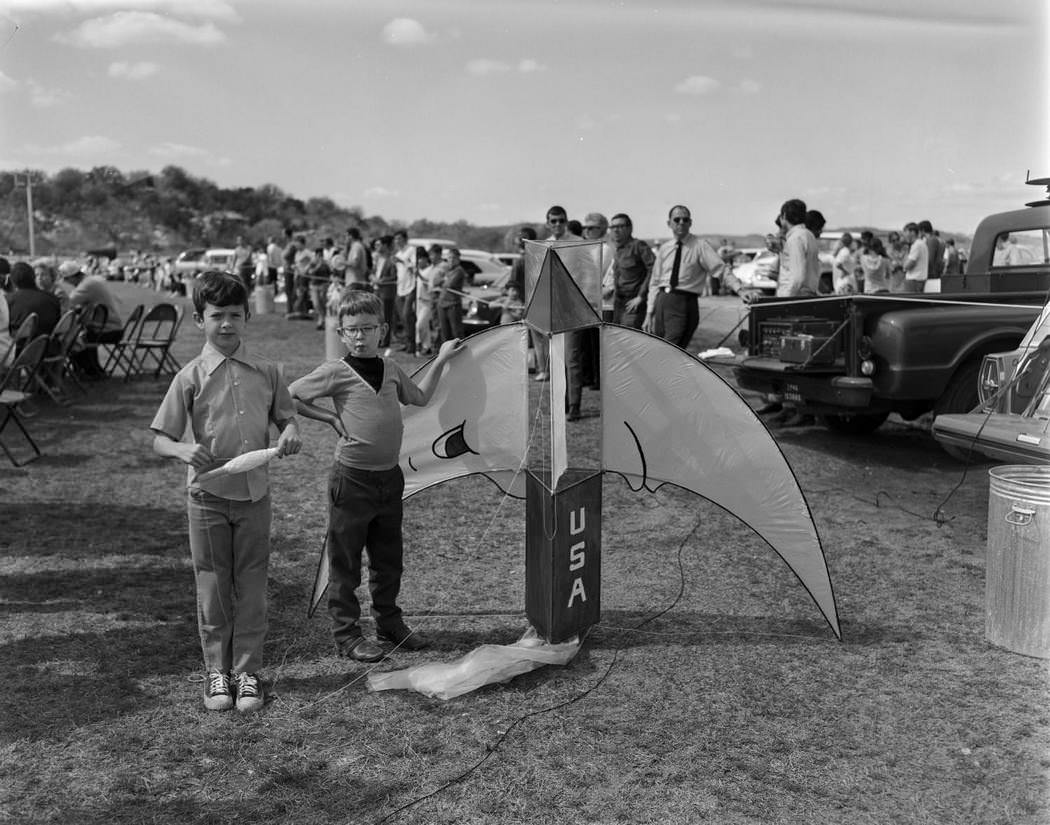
(477, 419)
(667, 418)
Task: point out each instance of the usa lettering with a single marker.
(577, 554)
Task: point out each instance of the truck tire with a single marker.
(960, 396)
(853, 423)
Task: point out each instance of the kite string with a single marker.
(495, 746)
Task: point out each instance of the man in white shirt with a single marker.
(917, 263)
(405, 300)
(681, 273)
(799, 262)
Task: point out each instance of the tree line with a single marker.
(104, 208)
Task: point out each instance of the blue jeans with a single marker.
(230, 548)
(364, 511)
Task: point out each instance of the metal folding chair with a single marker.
(16, 388)
(54, 369)
(156, 334)
(23, 335)
(119, 351)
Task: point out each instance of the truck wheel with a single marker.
(853, 423)
(961, 396)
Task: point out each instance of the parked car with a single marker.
(1010, 423)
(219, 259)
(482, 267)
(188, 262)
(749, 276)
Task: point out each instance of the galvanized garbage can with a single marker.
(263, 296)
(1017, 577)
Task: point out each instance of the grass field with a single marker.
(712, 691)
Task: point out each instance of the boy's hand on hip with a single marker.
(337, 425)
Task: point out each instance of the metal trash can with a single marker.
(263, 299)
(1017, 572)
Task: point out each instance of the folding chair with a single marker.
(16, 388)
(119, 351)
(23, 335)
(50, 377)
(154, 338)
(92, 318)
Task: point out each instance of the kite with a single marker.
(666, 418)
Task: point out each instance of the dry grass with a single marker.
(735, 706)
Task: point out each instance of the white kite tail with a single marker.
(241, 464)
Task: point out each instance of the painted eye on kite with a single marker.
(452, 443)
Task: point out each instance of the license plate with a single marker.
(792, 393)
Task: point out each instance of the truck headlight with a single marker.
(867, 367)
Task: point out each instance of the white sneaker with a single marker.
(217, 691)
(249, 692)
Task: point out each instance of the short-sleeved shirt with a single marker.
(632, 263)
(226, 404)
(698, 262)
(920, 254)
(371, 418)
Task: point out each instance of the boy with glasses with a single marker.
(366, 484)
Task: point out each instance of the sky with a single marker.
(876, 112)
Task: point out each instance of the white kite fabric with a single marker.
(485, 665)
(241, 464)
(477, 419)
(667, 418)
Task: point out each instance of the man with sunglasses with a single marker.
(680, 274)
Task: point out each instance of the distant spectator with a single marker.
(405, 300)
(843, 277)
(575, 228)
(876, 268)
(511, 306)
(1008, 253)
(896, 251)
(292, 248)
(799, 266)
(450, 301)
(91, 290)
(319, 274)
(427, 270)
(629, 281)
(384, 278)
(241, 264)
(517, 269)
(28, 298)
(952, 259)
(934, 249)
(274, 260)
(357, 264)
(917, 261)
(47, 281)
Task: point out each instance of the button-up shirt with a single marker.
(799, 263)
(699, 262)
(226, 404)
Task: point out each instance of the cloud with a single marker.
(696, 85)
(125, 28)
(88, 145)
(750, 87)
(133, 71)
(483, 66)
(44, 98)
(380, 192)
(171, 151)
(6, 83)
(527, 65)
(404, 31)
(210, 9)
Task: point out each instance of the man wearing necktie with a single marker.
(681, 271)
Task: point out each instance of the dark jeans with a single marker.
(389, 300)
(676, 317)
(406, 310)
(364, 511)
(450, 322)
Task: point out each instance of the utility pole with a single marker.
(29, 210)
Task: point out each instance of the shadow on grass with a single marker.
(83, 531)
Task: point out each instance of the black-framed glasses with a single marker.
(681, 220)
(367, 329)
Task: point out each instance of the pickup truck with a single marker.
(854, 359)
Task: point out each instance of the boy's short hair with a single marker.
(219, 289)
(359, 302)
